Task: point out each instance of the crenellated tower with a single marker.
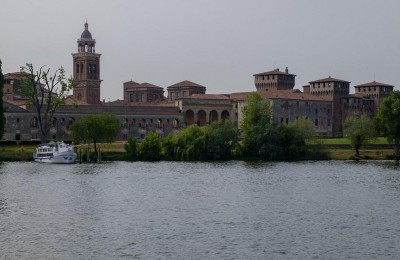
(86, 69)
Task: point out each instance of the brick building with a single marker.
(326, 102)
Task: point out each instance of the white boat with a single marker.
(55, 152)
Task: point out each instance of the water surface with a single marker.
(170, 210)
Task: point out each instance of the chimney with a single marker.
(287, 70)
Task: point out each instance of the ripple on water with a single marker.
(185, 210)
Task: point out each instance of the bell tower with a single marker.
(86, 69)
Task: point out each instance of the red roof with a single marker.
(240, 96)
(147, 85)
(185, 83)
(374, 84)
(12, 75)
(131, 82)
(273, 72)
(206, 96)
(291, 94)
(139, 104)
(328, 79)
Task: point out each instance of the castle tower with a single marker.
(86, 69)
(374, 90)
(334, 90)
(274, 80)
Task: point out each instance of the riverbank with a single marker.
(116, 152)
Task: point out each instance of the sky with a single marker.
(219, 44)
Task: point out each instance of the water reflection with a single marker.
(176, 210)
(3, 206)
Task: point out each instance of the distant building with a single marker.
(374, 90)
(332, 90)
(142, 93)
(12, 89)
(184, 89)
(325, 102)
(86, 70)
(274, 80)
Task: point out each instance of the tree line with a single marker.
(261, 136)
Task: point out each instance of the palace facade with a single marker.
(326, 102)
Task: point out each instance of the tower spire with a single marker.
(87, 69)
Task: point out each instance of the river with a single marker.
(173, 210)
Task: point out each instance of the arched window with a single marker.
(53, 122)
(189, 117)
(225, 115)
(71, 120)
(142, 123)
(175, 123)
(34, 122)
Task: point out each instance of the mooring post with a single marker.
(88, 154)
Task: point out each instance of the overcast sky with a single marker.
(219, 44)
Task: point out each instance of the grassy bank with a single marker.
(17, 152)
(329, 148)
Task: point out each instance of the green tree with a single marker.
(264, 137)
(359, 130)
(292, 142)
(150, 149)
(222, 138)
(45, 93)
(305, 128)
(188, 145)
(192, 144)
(258, 126)
(102, 128)
(170, 145)
(389, 118)
(2, 118)
(131, 147)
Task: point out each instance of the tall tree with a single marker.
(45, 92)
(359, 130)
(264, 137)
(304, 127)
(259, 128)
(131, 147)
(190, 144)
(222, 138)
(150, 149)
(102, 128)
(389, 118)
(2, 118)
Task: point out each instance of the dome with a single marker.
(86, 34)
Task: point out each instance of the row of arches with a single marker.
(126, 123)
(86, 48)
(34, 123)
(144, 123)
(202, 118)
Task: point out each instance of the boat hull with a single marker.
(62, 158)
